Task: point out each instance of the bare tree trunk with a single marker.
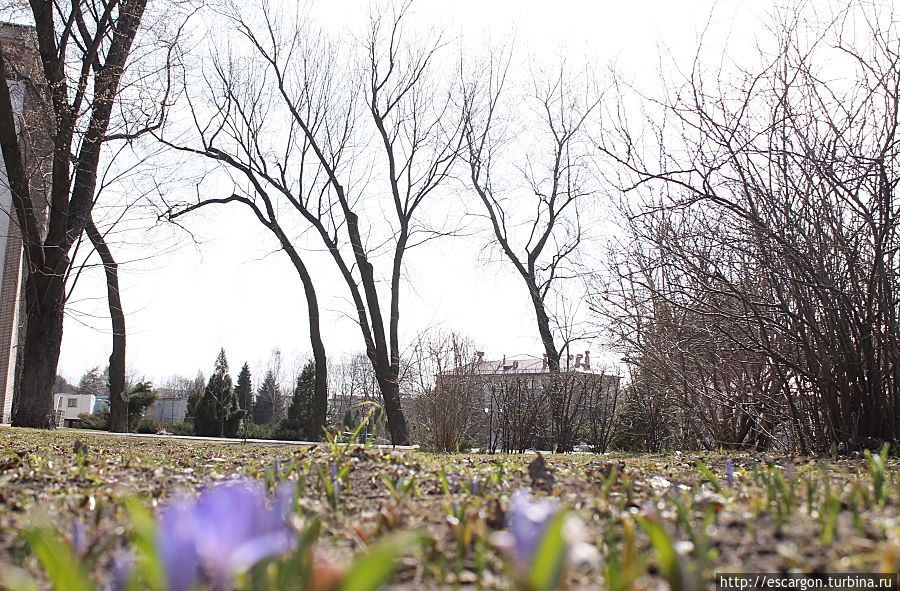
(317, 414)
(44, 305)
(118, 400)
(77, 123)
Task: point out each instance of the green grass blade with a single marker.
(371, 570)
(58, 560)
(551, 554)
(664, 547)
(707, 473)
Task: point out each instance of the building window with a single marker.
(73, 403)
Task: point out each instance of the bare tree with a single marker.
(84, 51)
(581, 403)
(533, 199)
(298, 132)
(353, 382)
(768, 255)
(599, 396)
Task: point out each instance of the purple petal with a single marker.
(227, 530)
(729, 471)
(227, 516)
(527, 519)
(283, 507)
(262, 547)
(79, 537)
(176, 545)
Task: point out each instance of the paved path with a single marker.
(229, 440)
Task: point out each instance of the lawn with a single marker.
(646, 521)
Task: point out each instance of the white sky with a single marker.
(234, 291)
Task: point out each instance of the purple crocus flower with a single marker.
(277, 469)
(527, 519)
(476, 486)
(226, 530)
(335, 483)
(79, 538)
(454, 483)
(729, 471)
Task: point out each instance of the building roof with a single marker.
(507, 365)
(527, 364)
(171, 394)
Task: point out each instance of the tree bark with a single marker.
(319, 410)
(118, 400)
(396, 420)
(44, 305)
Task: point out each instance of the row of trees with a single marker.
(753, 288)
(219, 409)
(354, 161)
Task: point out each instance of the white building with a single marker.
(68, 406)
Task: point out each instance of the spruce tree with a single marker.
(244, 389)
(265, 408)
(93, 382)
(217, 413)
(196, 393)
(298, 424)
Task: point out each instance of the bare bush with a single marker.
(759, 288)
(447, 396)
(517, 413)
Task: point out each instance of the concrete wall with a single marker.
(169, 410)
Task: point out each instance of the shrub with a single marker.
(184, 428)
(98, 420)
(254, 431)
(145, 425)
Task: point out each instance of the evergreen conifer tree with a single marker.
(298, 424)
(265, 408)
(217, 413)
(140, 397)
(196, 393)
(244, 389)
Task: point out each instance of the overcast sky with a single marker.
(233, 290)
